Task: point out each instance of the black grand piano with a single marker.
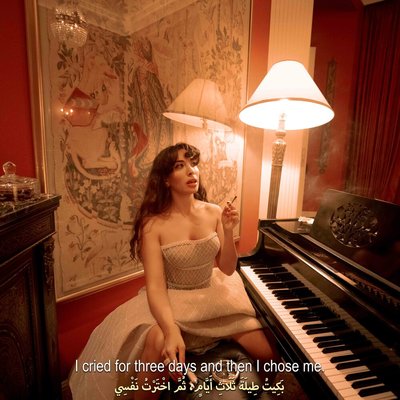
(329, 292)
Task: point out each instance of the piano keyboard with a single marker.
(353, 365)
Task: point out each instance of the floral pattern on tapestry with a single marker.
(106, 126)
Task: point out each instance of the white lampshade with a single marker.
(287, 89)
(201, 105)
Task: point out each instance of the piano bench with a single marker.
(226, 350)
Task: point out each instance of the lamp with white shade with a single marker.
(200, 105)
(286, 99)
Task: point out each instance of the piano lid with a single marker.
(356, 240)
(367, 231)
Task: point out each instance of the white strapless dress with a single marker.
(207, 306)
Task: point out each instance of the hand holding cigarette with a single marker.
(230, 216)
(231, 202)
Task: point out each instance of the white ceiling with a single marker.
(123, 16)
(129, 16)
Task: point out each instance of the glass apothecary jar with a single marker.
(17, 188)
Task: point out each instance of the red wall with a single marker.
(335, 36)
(77, 319)
(16, 143)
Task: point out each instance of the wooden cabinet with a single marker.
(29, 365)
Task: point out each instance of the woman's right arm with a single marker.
(157, 294)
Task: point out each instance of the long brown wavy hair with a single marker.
(157, 197)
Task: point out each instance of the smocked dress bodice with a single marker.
(189, 263)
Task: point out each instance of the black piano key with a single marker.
(367, 352)
(284, 277)
(301, 313)
(316, 325)
(319, 310)
(313, 317)
(262, 265)
(373, 390)
(289, 284)
(323, 329)
(335, 341)
(344, 346)
(334, 348)
(373, 362)
(307, 318)
(389, 373)
(347, 335)
(303, 291)
(339, 359)
(286, 273)
(357, 355)
(308, 301)
(313, 301)
(330, 343)
(284, 296)
(350, 364)
(327, 322)
(330, 338)
(300, 293)
(265, 271)
(359, 375)
(269, 278)
(260, 270)
(366, 383)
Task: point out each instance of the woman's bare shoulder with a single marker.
(152, 225)
(212, 208)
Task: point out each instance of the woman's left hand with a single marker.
(230, 216)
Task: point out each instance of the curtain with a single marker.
(374, 162)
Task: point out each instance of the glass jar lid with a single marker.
(17, 188)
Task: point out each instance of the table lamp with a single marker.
(200, 105)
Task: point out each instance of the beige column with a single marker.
(289, 38)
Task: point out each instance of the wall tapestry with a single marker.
(105, 124)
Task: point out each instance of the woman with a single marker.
(187, 305)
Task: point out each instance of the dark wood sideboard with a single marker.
(29, 364)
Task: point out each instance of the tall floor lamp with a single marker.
(286, 99)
